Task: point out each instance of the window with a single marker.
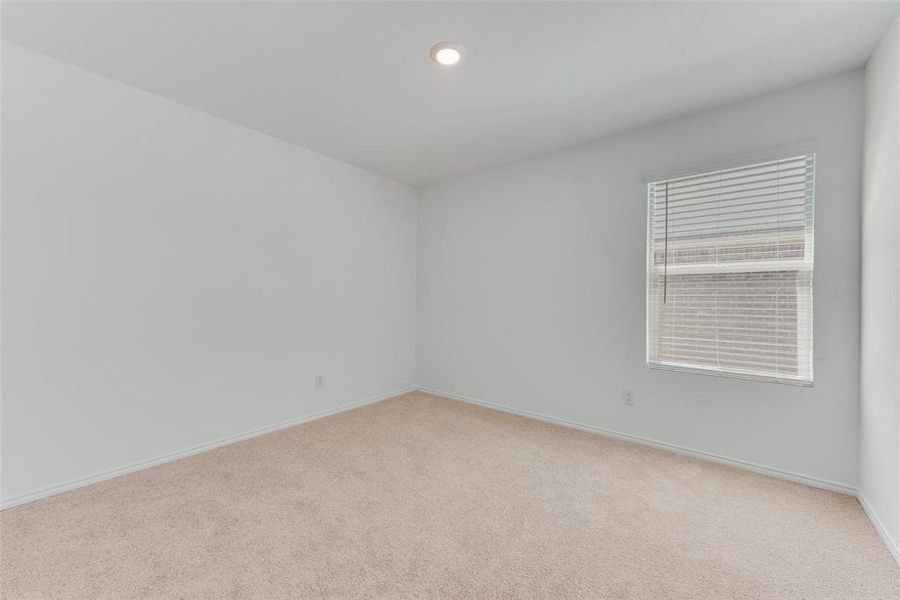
(730, 271)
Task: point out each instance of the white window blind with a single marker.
(730, 271)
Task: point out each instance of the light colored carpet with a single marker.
(422, 497)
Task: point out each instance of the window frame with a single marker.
(735, 161)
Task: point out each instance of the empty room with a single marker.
(538, 300)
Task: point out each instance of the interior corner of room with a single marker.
(234, 265)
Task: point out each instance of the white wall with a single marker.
(880, 397)
(531, 287)
(170, 279)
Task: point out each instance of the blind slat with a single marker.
(771, 166)
(723, 206)
(725, 192)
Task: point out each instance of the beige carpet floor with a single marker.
(422, 497)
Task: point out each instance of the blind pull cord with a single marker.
(666, 252)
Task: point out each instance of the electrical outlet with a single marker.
(628, 397)
(320, 381)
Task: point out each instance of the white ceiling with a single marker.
(354, 80)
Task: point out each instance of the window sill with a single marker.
(729, 374)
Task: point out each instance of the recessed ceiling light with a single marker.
(446, 54)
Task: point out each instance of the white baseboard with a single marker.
(892, 545)
(717, 458)
(152, 462)
(889, 541)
